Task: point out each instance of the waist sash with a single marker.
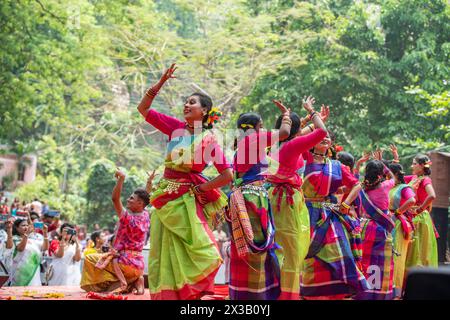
(183, 181)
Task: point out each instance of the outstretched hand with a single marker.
(169, 73)
(365, 157)
(284, 110)
(324, 112)
(308, 104)
(394, 151)
(151, 176)
(378, 154)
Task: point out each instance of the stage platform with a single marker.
(75, 293)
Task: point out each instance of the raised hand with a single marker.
(9, 225)
(151, 176)
(308, 104)
(45, 230)
(394, 151)
(63, 235)
(119, 175)
(378, 154)
(169, 73)
(324, 112)
(365, 157)
(284, 110)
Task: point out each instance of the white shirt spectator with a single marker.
(37, 206)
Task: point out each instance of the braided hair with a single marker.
(374, 174)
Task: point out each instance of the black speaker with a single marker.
(428, 284)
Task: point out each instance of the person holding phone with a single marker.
(66, 261)
(27, 253)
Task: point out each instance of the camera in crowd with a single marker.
(72, 233)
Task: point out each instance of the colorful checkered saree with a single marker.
(377, 259)
(331, 267)
(254, 267)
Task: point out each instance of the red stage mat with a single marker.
(75, 293)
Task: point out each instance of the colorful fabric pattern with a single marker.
(377, 260)
(331, 266)
(256, 275)
(105, 280)
(184, 257)
(131, 236)
(402, 236)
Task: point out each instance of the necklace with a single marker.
(189, 126)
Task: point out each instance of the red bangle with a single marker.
(151, 93)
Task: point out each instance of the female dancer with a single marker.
(401, 199)
(377, 227)
(423, 250)
(254, 268)
(184, 257)
(331, 266)
(288, 204)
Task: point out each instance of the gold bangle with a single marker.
(150, 93)
(197, 189)
(346, 206)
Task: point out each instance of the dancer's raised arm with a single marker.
(286, 122)
(117, 191)
(150, 94)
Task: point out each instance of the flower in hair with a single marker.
(338, 148)
(427, 164)
(213, 116)
(245, 125)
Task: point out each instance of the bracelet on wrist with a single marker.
(344, 205)
(151, 93)
(197, 189)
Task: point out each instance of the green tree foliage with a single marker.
(73, 72)
(360, 60)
